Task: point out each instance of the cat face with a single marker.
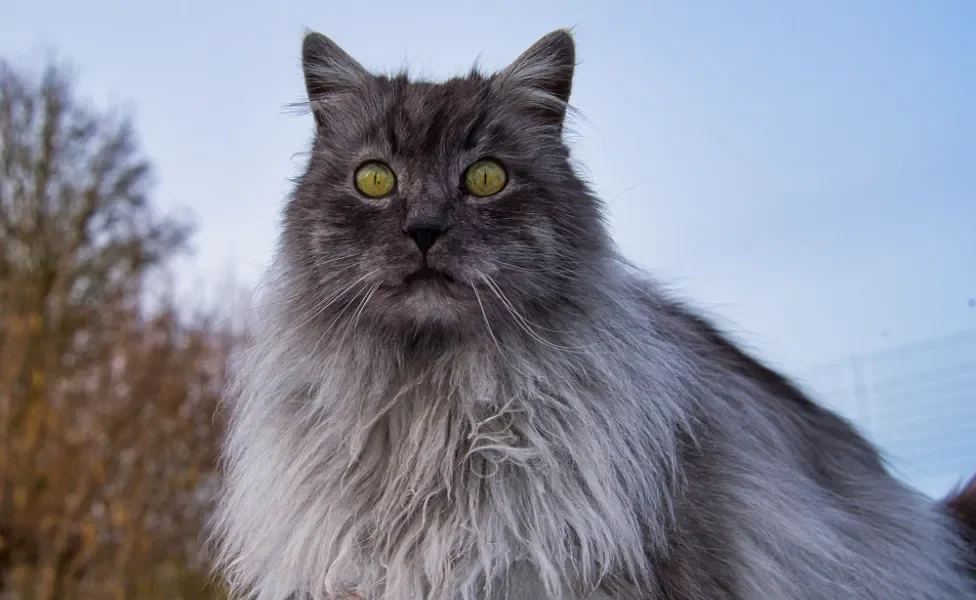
(439, 204)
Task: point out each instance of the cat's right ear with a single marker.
(330, 74)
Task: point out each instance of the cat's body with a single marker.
(512, 410)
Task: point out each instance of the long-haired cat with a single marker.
(458, 388)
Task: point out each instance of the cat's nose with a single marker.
(425, 235)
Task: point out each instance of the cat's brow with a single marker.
(399, 84)
(471, 139)
(391, 135)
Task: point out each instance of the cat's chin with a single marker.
(427, 298)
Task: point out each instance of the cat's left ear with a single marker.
(543, 75)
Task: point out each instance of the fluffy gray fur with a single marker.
(541, 421)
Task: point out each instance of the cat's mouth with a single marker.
(428, 275)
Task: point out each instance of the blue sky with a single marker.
(804, 171)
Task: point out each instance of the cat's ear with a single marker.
(543, 75)
(330, 74)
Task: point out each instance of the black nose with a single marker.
(425, 235)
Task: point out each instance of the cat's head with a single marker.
(440, 205)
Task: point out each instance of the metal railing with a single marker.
(917, 402)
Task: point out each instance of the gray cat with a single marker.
(458, 388)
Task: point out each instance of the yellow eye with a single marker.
(485, 178)
(375, 180)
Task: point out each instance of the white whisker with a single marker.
(520, 320)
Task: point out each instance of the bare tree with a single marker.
(107, 435)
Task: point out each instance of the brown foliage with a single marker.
(107, 431)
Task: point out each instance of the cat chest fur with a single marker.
(442, 489)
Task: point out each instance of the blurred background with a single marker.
(804, 172)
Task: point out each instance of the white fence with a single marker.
(916, 402)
